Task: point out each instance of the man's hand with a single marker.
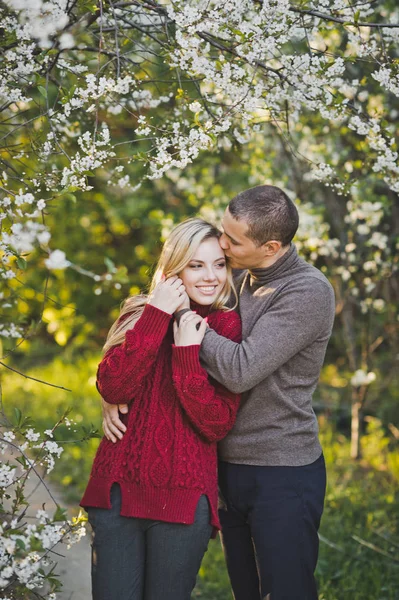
(112, 425)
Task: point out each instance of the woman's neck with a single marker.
(201, 309)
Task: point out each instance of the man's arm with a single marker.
(299, 316)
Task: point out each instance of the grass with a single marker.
(359, 549)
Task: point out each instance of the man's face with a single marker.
(242, 252)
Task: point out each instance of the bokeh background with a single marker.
(112, 225)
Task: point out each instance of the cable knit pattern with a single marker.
(168, 457)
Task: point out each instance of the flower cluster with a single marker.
(40, 20)
(157, 85)
(26, 544)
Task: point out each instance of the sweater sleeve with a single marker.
(300, 316)
(210, 407)
(122, 371)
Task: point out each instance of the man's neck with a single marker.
(271, 260)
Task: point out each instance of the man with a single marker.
(271, 472)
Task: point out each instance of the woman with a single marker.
(152, 496)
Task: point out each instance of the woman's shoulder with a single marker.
(226, 323)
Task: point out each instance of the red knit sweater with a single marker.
(168, 457)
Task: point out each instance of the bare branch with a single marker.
(34, 378)
(341, 20)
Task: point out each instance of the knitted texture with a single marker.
(287, 313)
(167, 458)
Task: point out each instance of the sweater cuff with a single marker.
(153, 322)
(185, 360)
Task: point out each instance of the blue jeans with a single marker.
(141, 559)
(270, 517)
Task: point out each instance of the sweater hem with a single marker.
(153, 322)
(159, 504)
(185, 360)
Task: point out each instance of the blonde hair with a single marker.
(178, 250)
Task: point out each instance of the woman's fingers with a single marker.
(175, 283)
(202, 328)
(190, 316)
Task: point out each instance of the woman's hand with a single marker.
(186, 333)
(168, 295)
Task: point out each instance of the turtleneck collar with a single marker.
(200, 309)
(262, 276)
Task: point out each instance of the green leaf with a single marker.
(92, 8)
(42, 90)
(22, 461)
(60, 514)
(21, 262)
(90, 432)
(18, 416)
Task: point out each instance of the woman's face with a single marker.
(206, 273)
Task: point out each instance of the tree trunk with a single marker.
(355, 428)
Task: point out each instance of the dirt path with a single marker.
(73, 567)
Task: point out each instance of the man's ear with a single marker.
(272, 247)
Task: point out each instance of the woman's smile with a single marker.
(208, 290)
(206, 274)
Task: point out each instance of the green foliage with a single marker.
(45, 404)
(360, 527)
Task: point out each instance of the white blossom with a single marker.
(7, 475)
(195, 107)
(41, 19)
(361, 377)
(57, 260)
(32, 435)
(8, 436)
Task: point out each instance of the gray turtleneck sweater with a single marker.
(287, 313)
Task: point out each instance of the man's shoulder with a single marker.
(303, 286)
(309, 271)
(308, 292)
(303, 276)
(309, 283)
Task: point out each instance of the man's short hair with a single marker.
(268, 212)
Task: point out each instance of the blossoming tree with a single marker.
(121, 95)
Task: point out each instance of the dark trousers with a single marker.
(270, 517)
(141, 559)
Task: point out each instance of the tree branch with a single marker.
(34, 378)
(341, 20)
